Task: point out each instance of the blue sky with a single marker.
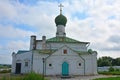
(95, 21)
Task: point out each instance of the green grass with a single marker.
(30, 76)
(110, 73)
(33, 76)
(110, 78)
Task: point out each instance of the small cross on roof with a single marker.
(60, 8)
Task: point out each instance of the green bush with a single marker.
(117, 69)
(111, 69)
(33, 76)
(5, 71)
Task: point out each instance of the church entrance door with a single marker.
(65, 69)
(18, 68)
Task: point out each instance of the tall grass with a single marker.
(30, 76)
(33, 76)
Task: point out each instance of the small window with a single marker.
(79, 64)
(50, 65)
(65, 51)
(26, 64)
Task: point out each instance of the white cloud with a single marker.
(7, 10)
(12, 32)
(17, 45)
(5, 57)
(97, 28)
(12, 46)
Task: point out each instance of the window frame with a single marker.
(26, 63)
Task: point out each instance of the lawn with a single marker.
(30, 76)
(110, 78)
(110, 73)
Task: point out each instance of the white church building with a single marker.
(59, 55)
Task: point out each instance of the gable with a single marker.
(65, 51)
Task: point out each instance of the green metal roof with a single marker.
(46, 51)
(82, 52)
(64, 39)
(22, 51)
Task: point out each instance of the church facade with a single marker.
(59, 55)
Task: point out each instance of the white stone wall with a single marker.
(75, 46)
(38, 62)
(39, 45)
(60, 31)
(73, 59)
(21, 58)
(88, 61)
(90, 64)
(56, 68)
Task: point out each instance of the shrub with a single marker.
(111, 69)
(5, 71)
(117, 69)
(33, 76)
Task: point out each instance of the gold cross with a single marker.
(60, 8)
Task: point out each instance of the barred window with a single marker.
(26, 64)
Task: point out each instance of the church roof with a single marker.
(64, 39)
(22, 51)
(46, 51)
(82, 52)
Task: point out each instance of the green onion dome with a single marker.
(60, 20)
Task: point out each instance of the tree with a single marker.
(118, 61)
(108, 61)
(104, 61)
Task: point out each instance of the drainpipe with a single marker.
(84, 67)
(43, 67)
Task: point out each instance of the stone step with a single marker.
(64, 77)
